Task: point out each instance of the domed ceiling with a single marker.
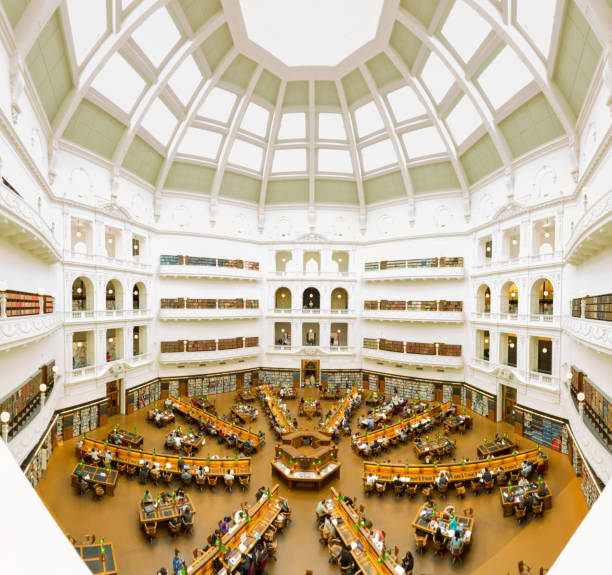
(325, 101)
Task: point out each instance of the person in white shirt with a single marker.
(239, 516)
(229, 476)
(371, 479)
(177, 442)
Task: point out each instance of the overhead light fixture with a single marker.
(511, 344)
(283, 330)
(284, 260)
(135, 336)
(545, 293)
(339, 260)
(5, 416)
(110, 240)
(282, 295)
(513, 294)
(79, 344)
(79, 290)
(78, 234)
(487, 295)
(546, 235)
(488, 248)
(544, 350)
(580, 397)
(310, 295)
(514, 242)
(110, 340)
(339, 296)
(486, 340)
(110, 291)
(339, 331)
(43, 388)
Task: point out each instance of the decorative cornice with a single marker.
(599, 211)
(594, 334)
(24, 330)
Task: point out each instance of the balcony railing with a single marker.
(310, 312)
(209, 271)
(540, 319)
(208, 356)
(312, 349)
(590, 332)
(102, 260)
(210, 314)
(414, 316)
(323, 275)
(105, 315)
(24, 329)
(451, 362)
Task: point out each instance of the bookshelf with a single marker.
(172, 346)
(21, 303)
(230, 343)
(451, 262)
(143, 395)
(597, 407)
(577, 307)
(49, 304)
(279, 377)
(420, 348)
(170, 260)
(370, 305)
(390, 345)
(421, 305)
(410, 388)
(443, 262)
(237, 303)
(444, 305)
(342, 379)
(545, 431)
(370, 343)
(172, 303)
(598, 307)
(201, 303)
(206, 303)
(200, 261)
(251, 304)
(392, 305)
(251, 342)
(74, 422)
(449, 350)
(201, 345)
(413, 305)
(422, 263)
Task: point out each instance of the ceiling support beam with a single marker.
(312, 128)
(269, 154)
(386, 118)
(31, 23)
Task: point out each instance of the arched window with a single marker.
(311, 299)
(82, 294)
(339, 299)
(542, 297)
(282, 298)
(114, 294)
(483, 299)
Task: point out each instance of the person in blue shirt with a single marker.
(178, 563)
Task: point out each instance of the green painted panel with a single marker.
(143, 161)
(355, 86)
(49, 67)
(267, 87)
(189, 177)
(14, 10)
(423, 10)
(481, 159)
(531, 125)
(287, 191)
(240, 187)
(240, 71)
(405, 43)
(339, 191)
(384, 188)
(217, 45)
(296, 94)
(94, 129)
(577, 58)
(326, 93)
(198, 12)
(433, 177)
(382, 70)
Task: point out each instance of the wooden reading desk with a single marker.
(427, 522)
(100, 558)
(509, 496)
(247, 396)
(333, 421)
(242, 435)
(370, 560)
(374, 398)
(130, 438)
(240, 539)
(167, 416)
(282, 422)
(426, 474)
(436, 446)
(149, 511)
(331, 393)
(496, 448)
(169, 462)
(244, 413)
(191, 440)
(288, 393)
(95, 476)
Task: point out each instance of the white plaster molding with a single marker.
(16, 331)
(593, 333)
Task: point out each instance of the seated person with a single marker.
(442, 479)
(186, 476)
(158, 419)
(147, 496)
(408, 562)
(187, 513)
(229, 476)
(181, 464)
(438, 537)
(224, 525)
(95, 455)
(175, 521)
(397, 482)
(326, 528)
(370, 480)
(346, 561)
(239, 516)
(456, 542)
(108, 458)
(522, 503)
(542, 491)
(523, 482)
(199, 472)
(321, 510)
(526, 468)
(486, 475)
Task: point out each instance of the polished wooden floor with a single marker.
(497, 542)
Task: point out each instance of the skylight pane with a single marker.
(423, 142)
(88, 23)
(537, 19)
(218, 105)
(465, 30)
(378, 155)
(405, 104)
(125, 3)
(331, 126)
(463, 120)
(293, 126)
(201, 143)
(156, 36)
(160, 122)
(505, 76)
(368, 119)
(246, 155)
(119, 82)
(437, 77)
(291, 160)
(255, 120)
(185, 80)
(335, 161)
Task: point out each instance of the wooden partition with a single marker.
(422, 474)
(216, 467)
(242, 435)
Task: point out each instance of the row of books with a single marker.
(200, 303)
(168, 260)
(597, 307)
(414, 263)
(412, 305)
(18, 303)
(412, 347)
(208, 344)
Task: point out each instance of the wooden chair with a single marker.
(398, 489)
(167, 477)
(420, 541)
(427, 492)
(269, 534)
(121, 466)
(83, 487)
(212, 481)
(368, 488)
(99, 491)
(271, 549)
(70, 538)
(174, 529)
(155, 475)
(488, 485)
(443, 490)
(186, 480)
(502, 478)
(229, 483)
(538, 509)
(187, 450)
(150, 530)
(381, 488)
(520, 513)
(439, 547)
(457, 554)
(476, 486)
(200, 482)
(460, 489)
(515, 476)
(89, 539)
(196, 553)
(411, 490)
(187, 525)
(468, 512)
(131, 470)
(244, 481)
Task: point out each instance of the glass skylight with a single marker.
(218, 105)
(156, 36)
(293, 126)
(463, 120)
(423, 142)
(185, 80)
(289, 160)
(88, 24)
(332, 160)
(465, 29)
(331, 126)
(125, 3)
(119, 82)
(405, 104)
(437, 77)
(160, 122)
(368, 119)
(246, 155)
(378, 155)
(255, 120)
(201, 143)
(313, 33)
(537, 19)
(504, 77)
